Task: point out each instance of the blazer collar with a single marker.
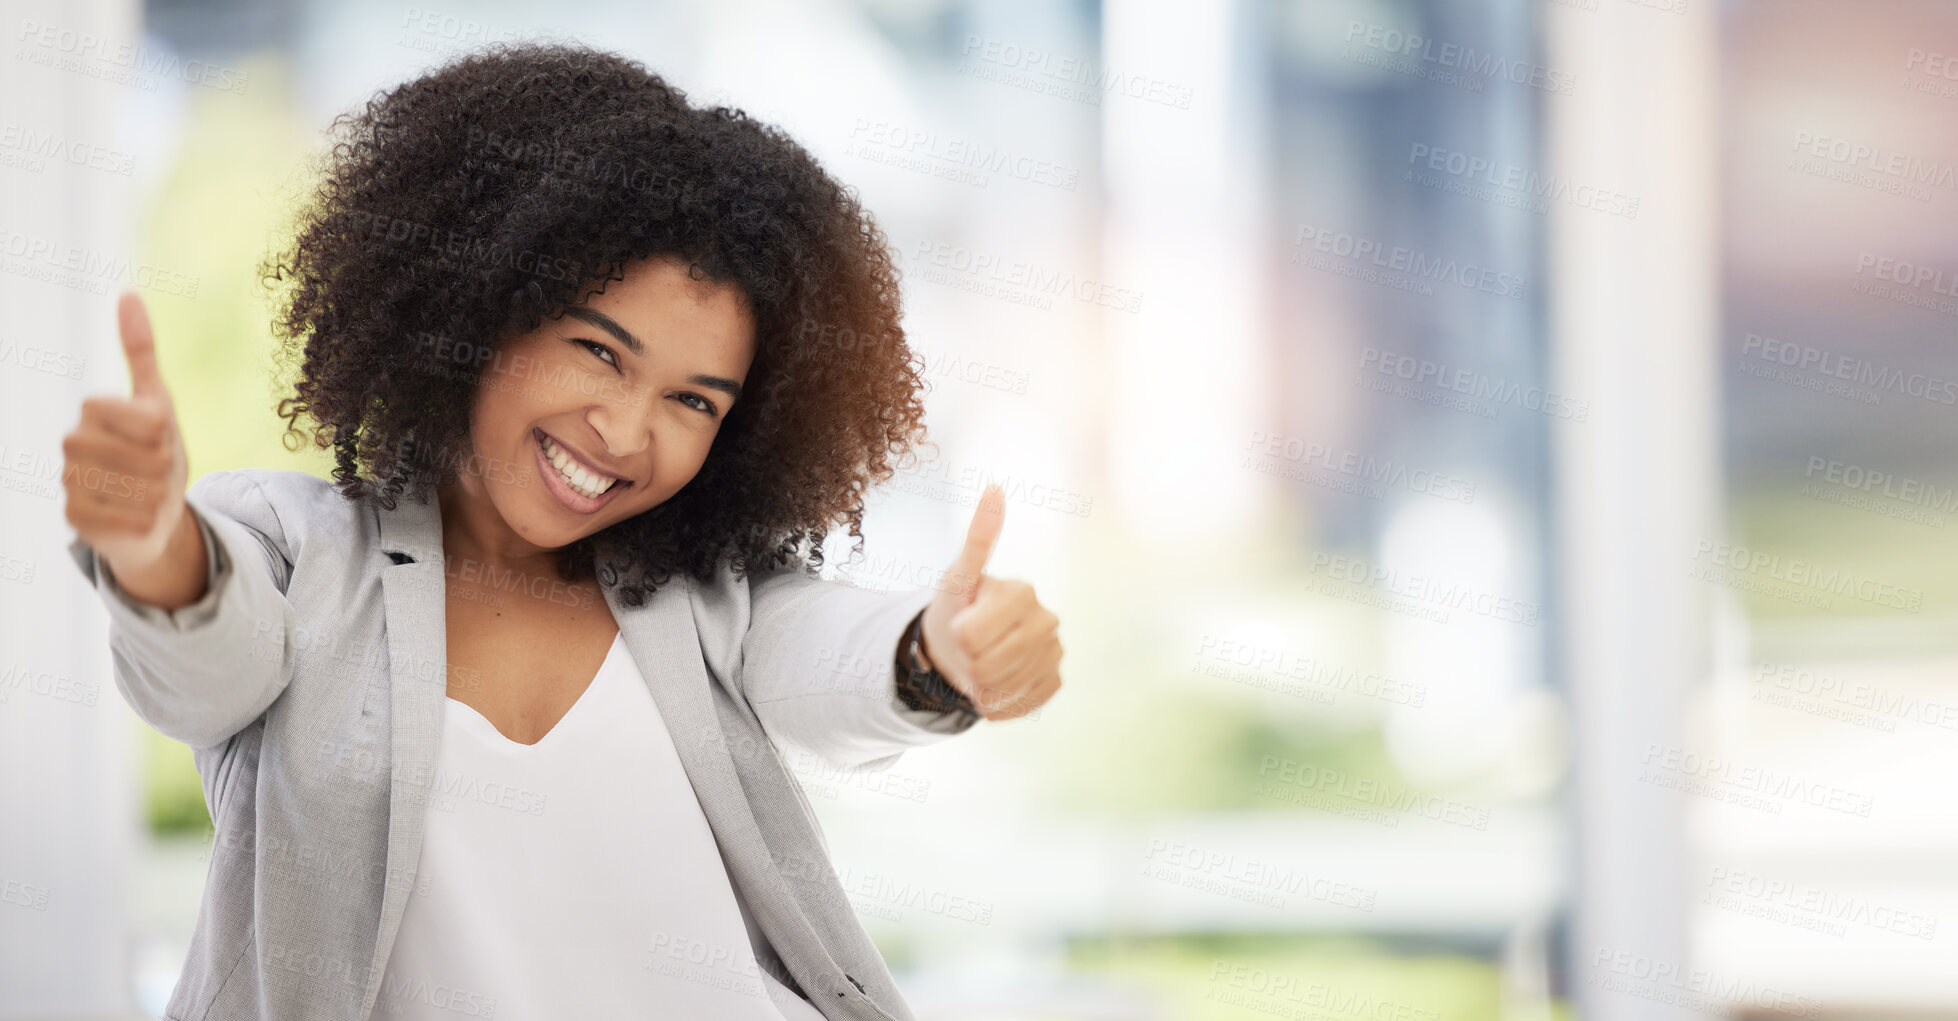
(413, 527)
(416, 628)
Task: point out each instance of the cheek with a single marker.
(496, 401)
(683, 458)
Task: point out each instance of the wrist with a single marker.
(920, 686)
(176, 576)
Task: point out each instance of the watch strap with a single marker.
(920, 688)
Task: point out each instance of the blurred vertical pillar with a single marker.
(1183, 112)
(69, 812)
(1634, 320)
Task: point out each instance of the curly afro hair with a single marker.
(462, 208)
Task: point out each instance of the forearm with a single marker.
(819, 666)
(200, 671)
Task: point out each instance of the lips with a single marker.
(549, 451)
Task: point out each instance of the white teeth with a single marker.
(574, 475)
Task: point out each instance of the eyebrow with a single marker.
(611, 326)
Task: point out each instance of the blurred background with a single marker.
(1491, 459)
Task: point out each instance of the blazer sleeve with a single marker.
(818, 665)
(206, 670)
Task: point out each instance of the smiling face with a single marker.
(606, 412)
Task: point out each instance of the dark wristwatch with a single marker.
(920, 688)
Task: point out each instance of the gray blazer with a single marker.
(309, 680)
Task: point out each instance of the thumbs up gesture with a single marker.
(125, 463)
(989, 636)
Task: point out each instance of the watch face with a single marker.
(912, 647)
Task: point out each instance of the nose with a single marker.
(624, 422)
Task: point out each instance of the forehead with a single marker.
(657, 294)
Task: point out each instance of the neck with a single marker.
(473, 530)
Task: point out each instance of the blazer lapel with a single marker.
(664, 642)
(418, 657)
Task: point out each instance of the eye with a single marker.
(592, 345)
(704, 405)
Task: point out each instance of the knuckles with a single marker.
(152, 421)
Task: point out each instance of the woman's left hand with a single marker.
(990, 636)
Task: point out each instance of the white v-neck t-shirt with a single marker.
(575, 879)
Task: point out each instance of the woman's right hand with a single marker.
(126, 468)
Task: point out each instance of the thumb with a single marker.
(139, 347)
(979, 540)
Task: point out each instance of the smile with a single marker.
(575, 484)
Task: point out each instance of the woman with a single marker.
(488, 724)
